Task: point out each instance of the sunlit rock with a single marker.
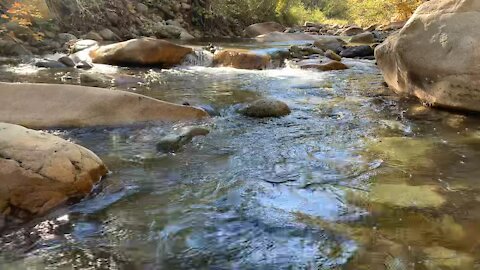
(141, 52)
(242, 59)
(262, 28)
(435, 57)
(49, 105)
(39, 171)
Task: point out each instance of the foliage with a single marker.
(23, 13)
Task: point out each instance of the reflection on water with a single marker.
(354, 178)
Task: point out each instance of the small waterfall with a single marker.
(199, 57)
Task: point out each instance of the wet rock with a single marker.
(109, 35)
(242, 59)
(141, 52)
(46, 63)
(305, 51)
(67, 61)
(84, 65)
(174, 142)
(365, 38)
(443, 258)
(436, 49)
(258, 29)
(37, 106)
(357, 51)
(9, 61)
(95, 80)
(351, 31)
(266, 108)
(330, 43)
(329, 66)
(39, 171)
(332, 55)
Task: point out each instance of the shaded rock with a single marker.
(142, 8)
(332, 55)
(242, 59)
(330, 43)
(262, 29)
(12, 48)
(299, 51)
(94, 36)
(365, 37)
(266, 108)
(174, 142)
(67, 61)
(82, 45)
(140, 52)
(435, 57)
(186, 36)
(46, 63)
(371, 28)
(172, 31)
(278, 37)
(332, 65)
(107, 34)
(352, 30)
(357, 51)
(38, 106)
(39, 171)
(66, 37)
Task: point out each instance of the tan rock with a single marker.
(140, 52)
(242, 59)
(435, 57)
(263, 28)
(39, 171)
(47, 105)
(332, 65)
(279, 37)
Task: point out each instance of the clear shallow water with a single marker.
(299, 192)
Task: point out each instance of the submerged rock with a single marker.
(405, 196)
(48, 105)
(141, 52)
(262, 29)
(174, 142)
(443, 258)
(242, 59)
(435, 56)
(39, 171)
(266, 108)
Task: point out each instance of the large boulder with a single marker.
(262, 29)
(141, 52)
(284, 37)
(435, 57)
(39, 171)
(48, 105)
(242, 59)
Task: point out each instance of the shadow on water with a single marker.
(318, 189)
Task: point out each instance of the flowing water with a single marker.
(355, 178)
